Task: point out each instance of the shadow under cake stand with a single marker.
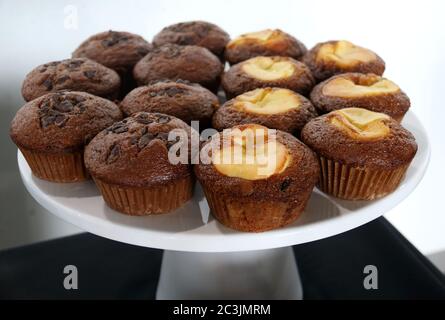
(205, 260)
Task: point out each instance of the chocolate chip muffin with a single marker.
(363, 155)
(130, 164)
(263, 43)
(199, 33)
(359, 90)
(267, 184)
(51, 132)
(329, 58)
(71, 74)
(171, 61)
(182, 99)
(117, 50)
(261, 72)
(274, 108)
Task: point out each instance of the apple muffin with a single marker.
(363, 155)
(129, 162)
(359, 90)
(329, 58)
(198, 33)
(256, 179)
(172, 61)
(71, 74)
(263, 43)
(182, 99)
(275, 108)
(52, 131)
(261, 72)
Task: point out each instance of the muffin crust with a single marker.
(180, 98)
(171, 61)
(274, 108)
(261, 72)
(263, 43)
(62, 121)
(199, 33)
(329, 58)
(71, 74)
(367, 91)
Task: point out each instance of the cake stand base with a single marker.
(263, 274)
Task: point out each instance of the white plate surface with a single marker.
(187, 229)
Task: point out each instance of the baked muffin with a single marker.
(199, 33)
(363, 155)
(182, 99)
(51, 132)
(171, 61)
(260, 72)
(274, 108)
(71, 74)
(329, 58)
(359, 90)
(129, 163)
(265, 186)
(117, 50)
(263, 43)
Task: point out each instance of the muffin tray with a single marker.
(192, 227)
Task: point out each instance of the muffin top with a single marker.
(70, 74)
(368, 91)
(182, 99)
(253, 160)
(171, 61)
(263, 43)
(274, 108)
(359, 137)
(134, 151)
(117, 50)
(62, 121)
(333, 57)
(259, 72)
(199, 33)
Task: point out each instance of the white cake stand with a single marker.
(204, 259)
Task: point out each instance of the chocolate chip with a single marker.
(60, 120)
(145, 140)
(46, 121)
(162, 136)
(114, 38)
(62, 79)
(74, 64)
(118, 127)
(174, 91)
(48, 84)
(114, 154)
(285, 184)
(163, 119)
(64, 106)
(89, 74)
(134, 140)
(143, 119)
(152, 94)
(42, 70)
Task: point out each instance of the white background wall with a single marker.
(409, 35)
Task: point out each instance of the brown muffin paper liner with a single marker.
(357, 183)
(56, 167)
(251, 216)
(141, 201)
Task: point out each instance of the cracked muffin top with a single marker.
(199, 33)
(71, 74)
(134, 151)
(117, 50)
(62, 121)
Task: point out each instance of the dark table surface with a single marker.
(331, 268)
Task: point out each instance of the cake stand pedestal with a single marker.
(204, 259)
